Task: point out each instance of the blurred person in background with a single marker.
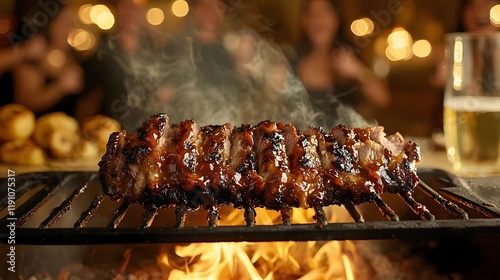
(224, 70)
(12, 56)
(201, 81)
(50, 80)
(110, 74)
(329, 69)
(225, 41)
(132, 76)
(200, 45)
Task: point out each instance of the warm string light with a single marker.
(399, 45)
(422, 48)
(96, 10)
(105, 20)
(362, 27)
(81, 40)
(155, 16)
(495, 15)
(84, 13)
(180, 8)
(102, 17)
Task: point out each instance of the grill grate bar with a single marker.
(90, 212)
(418, 208)
(213, 216)
(451, 207)
(250, 216)
(351, 209)
(39, 199)
(21, 189)
(64, 207)
(409, 230)
(149, 217)
(180, 216)
(387, 212)
(119, 214)
(26, 182)
(46, 185)
(320, 216)
(286, 216)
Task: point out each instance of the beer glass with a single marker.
(472, 103)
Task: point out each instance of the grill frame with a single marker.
(417, 229)
(79, 234)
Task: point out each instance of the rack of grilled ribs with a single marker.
(271, 164)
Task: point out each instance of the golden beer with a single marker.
(472, 134)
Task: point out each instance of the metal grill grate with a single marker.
(34, 190)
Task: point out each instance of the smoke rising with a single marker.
(244, 78)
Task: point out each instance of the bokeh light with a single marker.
(396, 54)
(102, 17)
(362, 27)
(422, 48)
(96, 10)
(155, 16)
(105, 20)
(399, 45)
(180, 8)
(399, 38)
(84, 13)
(81, 40)
(495, 15)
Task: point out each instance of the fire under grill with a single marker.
(68, 208)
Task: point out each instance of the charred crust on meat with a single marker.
(271, 165)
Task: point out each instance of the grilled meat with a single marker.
(270, 165)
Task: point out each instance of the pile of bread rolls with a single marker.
(25, 140)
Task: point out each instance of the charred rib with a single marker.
(271, 165)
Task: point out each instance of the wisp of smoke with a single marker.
(243, 79)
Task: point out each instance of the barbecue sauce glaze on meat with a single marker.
(271, 165)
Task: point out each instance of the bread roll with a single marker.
(22, 152)
(98, 128)
(16, 123)
(62, 144)
(86, 149)
(47, 124)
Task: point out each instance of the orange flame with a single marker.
(262, 260)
